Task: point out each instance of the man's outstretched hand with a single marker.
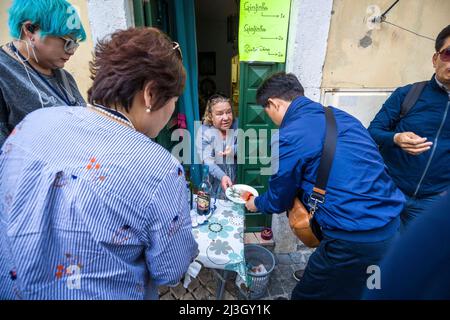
(250, 205)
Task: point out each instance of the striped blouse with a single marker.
(89, 209)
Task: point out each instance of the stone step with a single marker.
(255, 238)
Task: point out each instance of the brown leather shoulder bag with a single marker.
(302, 221)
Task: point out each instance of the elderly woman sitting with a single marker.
(216, 142)
(90, 206)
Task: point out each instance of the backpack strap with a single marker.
(412, 97)
(66, 86)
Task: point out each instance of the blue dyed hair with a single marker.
(53, 17)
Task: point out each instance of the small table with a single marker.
(221, 242)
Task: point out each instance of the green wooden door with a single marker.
(153, 13)
(253, 120)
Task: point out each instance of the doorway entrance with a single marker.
(217, 45)
(208, 35)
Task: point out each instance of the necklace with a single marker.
(113, 114)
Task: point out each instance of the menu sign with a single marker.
(263, 30)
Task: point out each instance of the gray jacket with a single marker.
(19, 96)
(209, 142)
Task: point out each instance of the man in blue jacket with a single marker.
(416, 146)
(360, 215)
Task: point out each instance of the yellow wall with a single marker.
(394, 57)
(4, 32)
(78, 65)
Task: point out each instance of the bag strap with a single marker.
(66, 85)
(412, 97)
(326, 160)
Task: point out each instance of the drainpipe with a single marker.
(139, 18)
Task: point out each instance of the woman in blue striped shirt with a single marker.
(90, 206)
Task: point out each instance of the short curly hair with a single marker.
(131, 59)
(212, 101)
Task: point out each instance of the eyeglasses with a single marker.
(70, 45)
(176, 46)
(445, 54)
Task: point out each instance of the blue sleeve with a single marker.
(382, 127)
(285, 181)
(171, 247)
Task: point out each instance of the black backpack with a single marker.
(412, 97)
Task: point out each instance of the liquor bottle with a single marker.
(204, 193)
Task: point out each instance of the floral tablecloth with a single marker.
(221, 239)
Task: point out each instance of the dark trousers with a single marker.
(416, 207)
(338, 270)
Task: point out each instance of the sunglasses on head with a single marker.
(70, 44)
(216, 96)
(176, 46)
(444, 54)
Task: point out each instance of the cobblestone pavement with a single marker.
(281, 281)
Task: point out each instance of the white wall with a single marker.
(363, 55)
(307, 43)
(107, 16)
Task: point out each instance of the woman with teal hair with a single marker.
(46, 34)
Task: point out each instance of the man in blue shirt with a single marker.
(416, 146)
(360, 215)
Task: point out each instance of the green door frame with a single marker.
(138, 8)
(253, 117)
